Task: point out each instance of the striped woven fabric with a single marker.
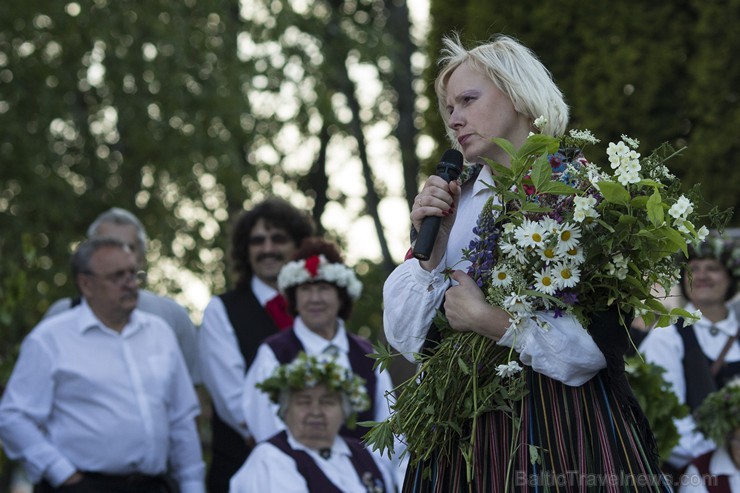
(583, 438)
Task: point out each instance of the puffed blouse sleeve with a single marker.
(558, 347)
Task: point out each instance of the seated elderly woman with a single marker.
(718, 418)
(315, 396)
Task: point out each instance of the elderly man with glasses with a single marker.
(124, 226)
(100, 399)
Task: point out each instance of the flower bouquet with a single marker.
(559, 234)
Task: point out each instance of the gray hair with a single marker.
(121, 217)
(515, 70)
(81, 258)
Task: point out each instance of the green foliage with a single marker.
(15, 265)
(657, 400)
(466, 376)
(184, 113)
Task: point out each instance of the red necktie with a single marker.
(277, 308)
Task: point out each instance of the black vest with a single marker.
(697, 368)
(252, 325)
(366, 468)
(286, 347)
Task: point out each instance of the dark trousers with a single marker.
(106, 483)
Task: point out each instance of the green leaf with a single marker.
(650, 183)
(534, 455)
(463, 366)
(380, 437)
(501, 171)
(676, 239)
(656, 306)
(538, 144)
(605, 225)
(614, 193)
(655, 209)
(507, 146)
(541, 172)
(627, 219)
(534, 207)
(639, 202)
(557, 187)
(382, 355)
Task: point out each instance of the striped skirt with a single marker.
(569, 439)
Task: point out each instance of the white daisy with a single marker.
(566, 275)
(530, 234)
(568, 236)
(549, 253)
(545, 282)
(575, 255)
(500, 278)
(550, 225)
(512, 250)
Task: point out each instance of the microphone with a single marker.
(448, 169)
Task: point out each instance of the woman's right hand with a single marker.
(437, 198)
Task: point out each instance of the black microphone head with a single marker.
(451, 164)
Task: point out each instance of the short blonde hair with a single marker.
(515, 70)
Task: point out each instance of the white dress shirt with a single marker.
(411, 296)
(720, 463)
(259, 410)
(269, 470)
(664, 347)
(85, 397)
(174, 314)
(221, 361)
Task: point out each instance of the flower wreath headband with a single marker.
(725, 250)
(316, 268)
(306, 372)
(719, 414)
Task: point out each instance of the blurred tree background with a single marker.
(186, 112)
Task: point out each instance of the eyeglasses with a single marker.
(275, 238)
(121, 277)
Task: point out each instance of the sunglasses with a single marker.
(275, 239)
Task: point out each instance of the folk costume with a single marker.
(581, 428)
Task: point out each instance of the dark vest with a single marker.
(252, 325)
(366, 468)
(286, 347)
(697, 368)
(714, 484)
